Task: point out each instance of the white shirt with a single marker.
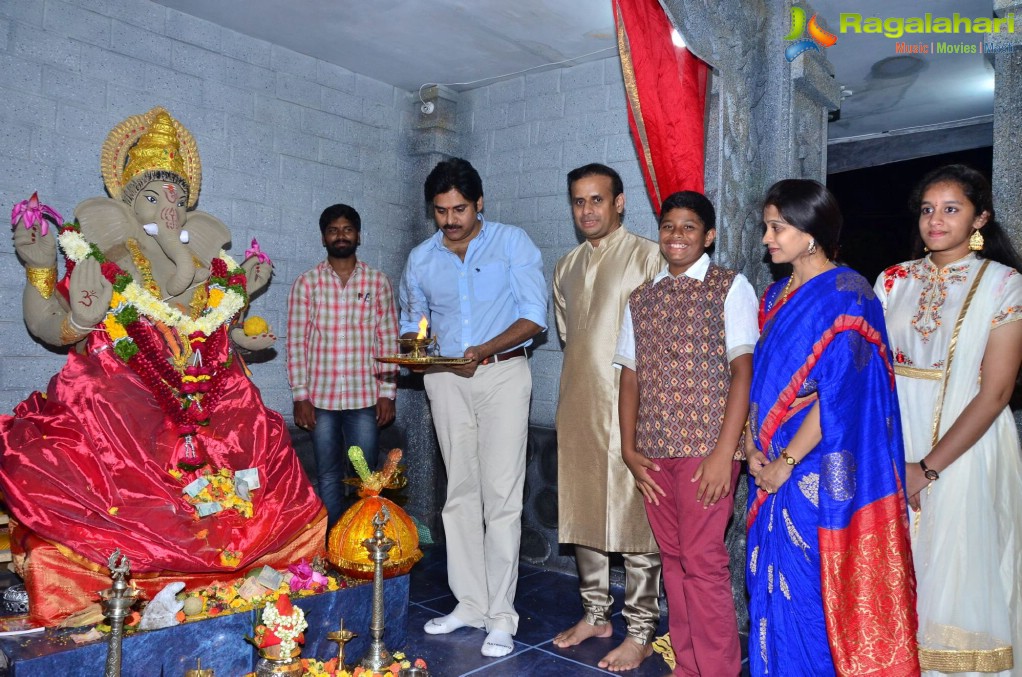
(741, 317)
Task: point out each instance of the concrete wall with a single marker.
(281, 136)
(524, 135)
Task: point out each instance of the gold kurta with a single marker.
(599, 505)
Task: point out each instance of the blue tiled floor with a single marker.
(547, 603)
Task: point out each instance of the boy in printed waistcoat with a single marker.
(685, 353)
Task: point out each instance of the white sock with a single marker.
(498, 643)
(443, 625)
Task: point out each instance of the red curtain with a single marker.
(666, 90)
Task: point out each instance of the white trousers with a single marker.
(482, 424)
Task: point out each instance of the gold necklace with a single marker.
(787, 287)
(143, 267)
(200, 296)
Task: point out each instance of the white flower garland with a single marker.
(285, 627)
(77, 249)
(74, 245)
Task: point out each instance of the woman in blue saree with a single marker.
(829, 566)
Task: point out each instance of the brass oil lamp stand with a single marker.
(117, 602)
(198, 671)
(342, 637)
(377, 658)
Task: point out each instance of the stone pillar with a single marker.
(434, 137)
(1005, 53)
(767, 121)
(767, 118)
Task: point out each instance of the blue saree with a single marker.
(829, 565)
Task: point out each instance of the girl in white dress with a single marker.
(952, 320)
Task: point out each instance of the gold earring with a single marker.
(976, 241)
(812, 247)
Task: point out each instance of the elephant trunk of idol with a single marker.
(169, 238)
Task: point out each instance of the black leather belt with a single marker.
(500, 357)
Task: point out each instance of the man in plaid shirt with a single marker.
(340, 315)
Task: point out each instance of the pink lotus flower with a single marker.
(304, 577)
(257, 252)
(34, 212)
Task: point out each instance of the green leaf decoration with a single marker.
(358, 460)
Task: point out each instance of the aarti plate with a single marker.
(427, 361)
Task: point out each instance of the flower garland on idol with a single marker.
(189, 386)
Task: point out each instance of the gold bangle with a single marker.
(788, 458)
(43, 279)
(68, 333)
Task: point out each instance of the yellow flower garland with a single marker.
(222, 306)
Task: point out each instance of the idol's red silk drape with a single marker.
(666, 91)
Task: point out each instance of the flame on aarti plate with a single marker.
(423, 324)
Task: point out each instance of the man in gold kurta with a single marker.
(600, 508)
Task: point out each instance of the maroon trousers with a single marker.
(697, 576)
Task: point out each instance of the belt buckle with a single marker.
(504, 356)
(493, 359)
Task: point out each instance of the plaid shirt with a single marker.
(333, 332)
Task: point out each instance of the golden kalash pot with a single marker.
(345, 545)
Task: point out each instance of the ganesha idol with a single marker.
(152, 438)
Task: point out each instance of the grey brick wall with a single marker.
(281, 136)
(524, 135)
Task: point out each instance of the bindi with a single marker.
(170, 191)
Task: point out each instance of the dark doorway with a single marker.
(878, 230)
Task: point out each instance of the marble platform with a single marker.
(219, 642)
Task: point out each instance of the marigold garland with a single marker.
(316, 668)
(226, 290)
(224, 597)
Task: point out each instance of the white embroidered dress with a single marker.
(967, 537)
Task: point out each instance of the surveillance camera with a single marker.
(428, 107)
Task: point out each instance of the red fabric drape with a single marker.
(666, 90)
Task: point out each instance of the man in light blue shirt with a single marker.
(480, 286)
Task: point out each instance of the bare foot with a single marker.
(580, 632)
(627, 656)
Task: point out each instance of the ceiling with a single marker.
(469, 43)
(407, 43)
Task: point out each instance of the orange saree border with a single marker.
(868, 591)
